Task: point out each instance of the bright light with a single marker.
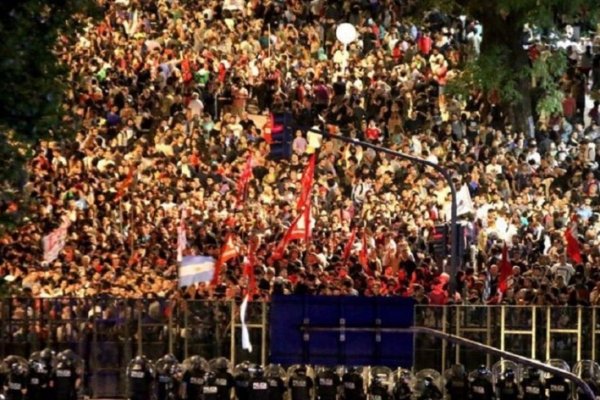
(346, 33)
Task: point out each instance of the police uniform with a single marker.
(457, 387)
(430, 391)
(64, 381)
(508, 390)
(481, 389)
(166, 384)
(140, 381)
(225, 383)
(38, 381)
(242, 382)
(378, 391)
(193, 381)
(328, 383)
(276, 388)
(402, 390)
(533, 389)
(300, 387)
(16, 384)
(558, 388)
(258, 389)
(353, 387)
(210, 390)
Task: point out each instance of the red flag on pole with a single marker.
(348, 246)
(125, 184)
(505, 270)
(363, 255)
(243, 180)
(573, 250)
(306, 183)
(228, 251)
(300, 229)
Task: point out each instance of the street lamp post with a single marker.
(346, 34)
(454, 260)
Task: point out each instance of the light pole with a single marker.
(454, 261)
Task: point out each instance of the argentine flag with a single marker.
(194, 269)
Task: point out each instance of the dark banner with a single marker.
(332, 330)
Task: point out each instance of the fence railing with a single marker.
(108, 332)
(539, 332)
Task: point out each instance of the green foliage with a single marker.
(546, 72)
(33, 81)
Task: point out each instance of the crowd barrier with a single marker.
(108, 332)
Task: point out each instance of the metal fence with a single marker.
(538, 332)
(108, 332)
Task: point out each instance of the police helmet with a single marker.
(509, 374)
(221, 364)
(458, 371)
(352, 370)
(47, 355)
(196, 363)
(428, 381)
(37, 366)
(533, 373)
(482, 372)
(169, 359)
(301, 370)
(258, 371)
(18, 369)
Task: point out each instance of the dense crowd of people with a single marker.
(163, 96)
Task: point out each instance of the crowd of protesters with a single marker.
(166, 89)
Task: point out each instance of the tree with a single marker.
(33, 84)
(504, 68)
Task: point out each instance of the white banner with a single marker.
(246, 345)
(54, 242)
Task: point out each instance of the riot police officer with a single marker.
(277, 387)
(532, 387)
(258, 388)
(430, 390)
(353, 385)
(38, 379)
(47, 357)
(167, 377)
(378, 389)
(300, 384)
(15, 386)
(242, 382)
(402, 389)
(223, 379)
(140, 375)
(193, 379)
(457, 385)
(327, 384)
(210, 390)
(481, 387)
(558, 388)
(507, 387)
(65, 378)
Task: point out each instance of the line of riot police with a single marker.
(197, 379)
(45, 376)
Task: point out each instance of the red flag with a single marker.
(363, 255)
(348, 247)
(124, 184)
(505, 270)
(299, 229)
(243, 180)
(306, 183)
(228, 251)
(573, 250)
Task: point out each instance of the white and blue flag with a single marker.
(194, 269)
